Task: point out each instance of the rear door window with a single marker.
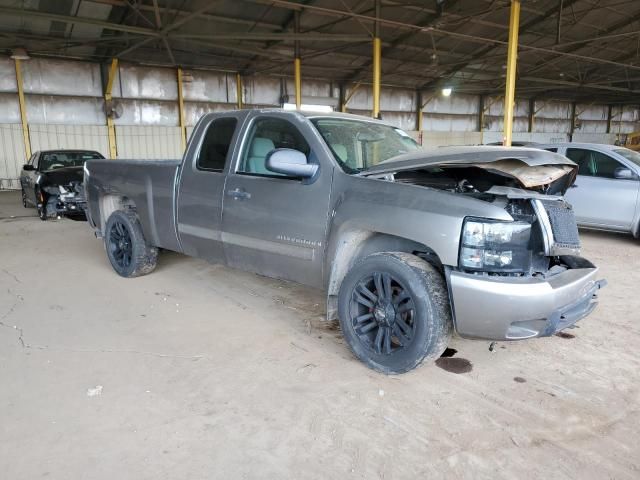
(215, 147)
(583, 158)
(594, 164)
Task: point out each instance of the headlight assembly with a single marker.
(494, 246)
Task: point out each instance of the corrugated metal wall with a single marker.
(65, 110)
(12, 155)
(86, 137)
(148, 142)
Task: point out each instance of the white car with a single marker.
(606, 193)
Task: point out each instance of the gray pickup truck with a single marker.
(409, 244)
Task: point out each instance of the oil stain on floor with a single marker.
(565, 335)
(454, 365)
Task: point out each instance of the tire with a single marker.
(128, 252)
(395, 333)
(25, 204)
(41, 205)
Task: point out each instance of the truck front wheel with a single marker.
(394, 312)
(128, 252)
(41, 205)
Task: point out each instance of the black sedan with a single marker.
(52, 182)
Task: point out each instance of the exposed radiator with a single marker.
(563, 224)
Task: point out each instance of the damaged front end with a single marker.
(514, 279)
(63, 200)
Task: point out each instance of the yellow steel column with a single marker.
(239, 90)
(183, 128)
(23, 110)
(377, 46)
(512, 57)
(111, 129)
(296, 63)
(376, 77)
(298, 82)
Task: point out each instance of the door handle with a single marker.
(239, 194)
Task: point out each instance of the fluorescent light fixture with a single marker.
(19, 54)
(446, 91)
(309, 107)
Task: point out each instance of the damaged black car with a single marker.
(51, 181)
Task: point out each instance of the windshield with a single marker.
(54, 160)
(358, 145)
(629, 155)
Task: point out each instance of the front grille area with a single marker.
(563, 223)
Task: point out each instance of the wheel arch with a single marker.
(355, 244)
(109, 203)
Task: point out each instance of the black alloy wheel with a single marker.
(128, 252)
(120, 244)
(382, 313)
(394, 311)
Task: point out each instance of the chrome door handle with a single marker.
(237, 193)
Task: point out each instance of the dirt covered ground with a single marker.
(198, 371)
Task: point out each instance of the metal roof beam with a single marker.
(578, 45)
(31, 14)
(281, 37)
(172, 26)
(427, 21)
(204, 16)
(523, 29)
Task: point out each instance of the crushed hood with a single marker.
(532, 167)
(62, 176)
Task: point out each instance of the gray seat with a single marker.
(260, 148)
(341, 152)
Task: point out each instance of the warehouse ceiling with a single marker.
(586, 50)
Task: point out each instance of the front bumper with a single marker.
(514, 308)
(66, 205)
(71, 208)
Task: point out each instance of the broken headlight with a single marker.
(494, 246)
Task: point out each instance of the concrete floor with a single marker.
(198, 371)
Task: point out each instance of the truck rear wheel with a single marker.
(128, 252)
(394, 312)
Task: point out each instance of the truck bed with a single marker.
(149, 184)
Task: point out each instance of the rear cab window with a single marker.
(214, 151)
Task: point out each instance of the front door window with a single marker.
(268, 134)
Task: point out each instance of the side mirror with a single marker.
(290, 162)
(623, 173)
(28, 168)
